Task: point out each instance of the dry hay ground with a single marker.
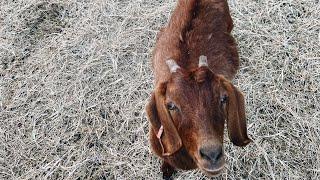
(75, 76)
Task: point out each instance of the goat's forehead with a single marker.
(181, 84)
(188, 89)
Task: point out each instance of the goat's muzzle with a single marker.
(211, 159)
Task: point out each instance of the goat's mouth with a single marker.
(212, 169)
(212, 172)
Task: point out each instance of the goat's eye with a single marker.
(171, 106)
(224, 99)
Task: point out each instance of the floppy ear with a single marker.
(236, 119)
(162, 123)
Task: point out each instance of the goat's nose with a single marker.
(212, 153)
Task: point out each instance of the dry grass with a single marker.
(75, 76)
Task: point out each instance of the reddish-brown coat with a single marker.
(197, 27)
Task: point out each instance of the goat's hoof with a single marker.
(167, 171)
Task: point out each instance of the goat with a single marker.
(194, 60)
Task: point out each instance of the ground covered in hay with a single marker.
(75, 76)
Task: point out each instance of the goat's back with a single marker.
(197, 27)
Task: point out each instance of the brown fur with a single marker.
(197, 27)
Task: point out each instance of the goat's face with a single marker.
(192, 108)
(197, 107)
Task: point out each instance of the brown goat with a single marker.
(194, 60)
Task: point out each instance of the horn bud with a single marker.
(173, 66)
(203, 61)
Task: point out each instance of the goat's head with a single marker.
(190, 111)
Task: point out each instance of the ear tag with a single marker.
(160, 132)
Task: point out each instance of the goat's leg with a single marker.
(167, 171)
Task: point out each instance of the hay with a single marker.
(75, 76)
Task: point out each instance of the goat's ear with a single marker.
(159, 116)
(236, 119)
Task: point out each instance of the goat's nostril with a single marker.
(204, 155)
(211, 154)
(218, 154)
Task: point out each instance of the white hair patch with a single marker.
(203, 61)
(173, 66)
